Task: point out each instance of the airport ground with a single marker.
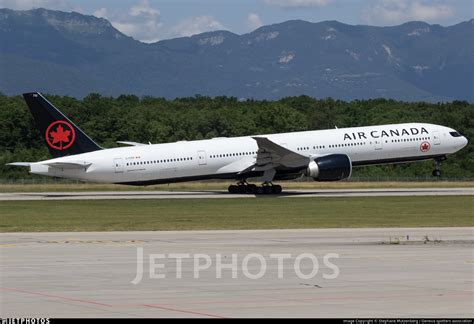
(41, 186)
(383, 272)
(403, 250)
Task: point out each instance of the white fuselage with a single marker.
(225, 157)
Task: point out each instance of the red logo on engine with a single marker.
(425, 147)
(60, 135)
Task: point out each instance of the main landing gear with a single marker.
(245, 188)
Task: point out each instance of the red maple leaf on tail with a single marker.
(60, 135)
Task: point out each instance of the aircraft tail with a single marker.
(60, 134)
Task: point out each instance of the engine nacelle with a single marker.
(332, 167)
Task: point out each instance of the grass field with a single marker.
(259, 213)
(213, 185)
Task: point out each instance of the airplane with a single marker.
(324, 155)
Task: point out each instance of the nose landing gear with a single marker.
(437, 172)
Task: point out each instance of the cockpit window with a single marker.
(455, 134)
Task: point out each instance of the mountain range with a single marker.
(74, 54)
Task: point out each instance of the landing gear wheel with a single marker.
(251, 189)
(267, 190)
(244, 188)
(436, 171)
(276, 189)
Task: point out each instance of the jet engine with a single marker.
(331, 167)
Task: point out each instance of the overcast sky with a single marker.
(153, 20)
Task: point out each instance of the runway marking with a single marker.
(35, 293)
(55, 296)
(104, 242)
(182, 311)
(267, 301)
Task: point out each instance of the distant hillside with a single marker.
(73, 54)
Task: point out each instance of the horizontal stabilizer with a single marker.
(22, 164)
(69, 165)
(131, 143)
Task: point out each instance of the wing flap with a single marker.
(245, 164)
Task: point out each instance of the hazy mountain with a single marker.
(73, 54)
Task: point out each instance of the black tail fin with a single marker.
(61, 135)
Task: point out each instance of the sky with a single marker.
(154, 20)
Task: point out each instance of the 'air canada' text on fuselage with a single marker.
(383, 133)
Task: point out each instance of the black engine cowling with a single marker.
(332, 167)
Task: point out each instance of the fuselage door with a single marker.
(202, 157)
(436, 138)
(118, 164)
(378, 144)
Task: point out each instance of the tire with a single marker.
(251, 189)
(267, 190)
(277, 189)
(242, 189)
(436, 173)
(233, 189)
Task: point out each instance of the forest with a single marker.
(157, 120)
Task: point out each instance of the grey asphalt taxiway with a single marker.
(94, 195)
(397, 272)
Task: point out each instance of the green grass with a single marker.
(246, 213)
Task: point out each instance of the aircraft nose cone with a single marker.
(464, 142)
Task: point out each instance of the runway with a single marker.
(95, 195)
(397, 272)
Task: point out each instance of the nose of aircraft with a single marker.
(464, 142)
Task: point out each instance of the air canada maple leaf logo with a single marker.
(425, 147)
(60, 135)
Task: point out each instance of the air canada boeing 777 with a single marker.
(324, 155)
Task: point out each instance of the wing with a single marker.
(271, 155)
